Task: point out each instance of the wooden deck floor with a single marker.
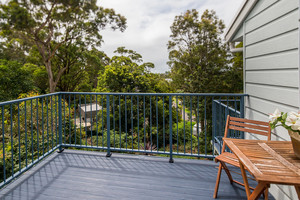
(90, 175)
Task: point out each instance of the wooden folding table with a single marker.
(268, 161)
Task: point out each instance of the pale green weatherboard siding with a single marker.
(271, 40)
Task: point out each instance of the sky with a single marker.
(149, 21)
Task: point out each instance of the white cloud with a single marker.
(149, 24)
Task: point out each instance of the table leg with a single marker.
(257, 191)
(245, 179)
(297, 188)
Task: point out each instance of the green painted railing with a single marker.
(175, 124)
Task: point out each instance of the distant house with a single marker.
(269, 30)
(88, 111)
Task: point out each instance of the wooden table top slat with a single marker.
(269, 161)
(280, 158)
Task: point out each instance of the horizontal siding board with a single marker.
(284, 24)
(281, 60)
(278, 134)
(276, 10)
(267, 107)
(287, 96)
(288, 78)
(260, 6)
(281, 43)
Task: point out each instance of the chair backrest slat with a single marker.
(249, 121)
(262, 128)
(247, 125)
(247, 130)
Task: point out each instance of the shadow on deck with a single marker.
(90, 175)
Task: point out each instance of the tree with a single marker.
(50, 24)
(126, 73)
(198, 58)
(82, 67)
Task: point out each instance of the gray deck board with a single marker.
(91, 175)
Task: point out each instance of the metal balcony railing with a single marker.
(175, 124)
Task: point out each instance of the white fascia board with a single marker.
(239, 18)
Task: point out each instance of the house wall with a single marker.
(271, 66)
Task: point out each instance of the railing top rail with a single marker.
(158, 94)
(133, 94)
(26, 99)
(227, 106)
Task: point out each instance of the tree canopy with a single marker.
(198, 57)
(49, 25)
(126, 72)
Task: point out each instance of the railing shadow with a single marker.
(82, 175)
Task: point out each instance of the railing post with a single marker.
(214, 124)
(108, 126)
(60, 124)
(242, 108)
(170, 129)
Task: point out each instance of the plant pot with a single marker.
(295, 138)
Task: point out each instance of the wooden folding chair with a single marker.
(245, 125)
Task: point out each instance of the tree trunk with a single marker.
(52, 84)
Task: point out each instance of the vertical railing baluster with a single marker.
(227, 112)
(19, 138)
(69, 118)
(144, 123)
(138, 122)
(47, 114)
(157, 147)
(47, 105)
(177, 121)
(120, 123)
(164, 137)
(170, 130)
(3, 146)
(80, 140)
(220, 120)
(108, 125)
(205, 132)
(191, 121)
(56, 110)
(43, 138)
(198, 124)
(85, 120)
(60, 123)
(31, 132)
(183, 107)
(126, 120)
(131, 116)
(91, 120)
(242, 113)
(37, 128)
(75, 125)
(12, 141)
(25, 118)
(64, 99)
(114, 122)
(102, 105)
(214, 124)
(150, 122)
(96, 119)
(235, 114)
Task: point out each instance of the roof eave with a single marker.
(239, 18)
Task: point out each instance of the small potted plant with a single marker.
(291, 122)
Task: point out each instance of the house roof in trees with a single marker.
(238, 19)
